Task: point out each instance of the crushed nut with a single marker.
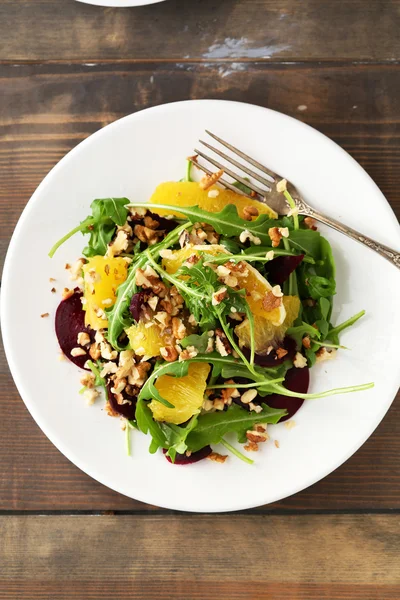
(300, 361)
(208, 405)
(76, 269)
(213, 193)
(108, 369)
(189, 352)
(290, 424)
(44, 315)
(90, 395)
(169, 353)
(184, 239)
(222, 344)
(248, 396)
(281, 352)
(88, 380)
(270, 255)
(152, 302)
(218, 296)
(53, 290)
(275, 235)
(270, 301)
(310, 223)
(276, 290)
(306, 341)
(166, 253)
(276, 443)
(324, 354)
(119, 245)
(249, 212)
(83, 338)
(78, 352)
(94, 351)
(67, 293)
(208, 180)
(147, 235)
(178, 328)
(150, 222)
(251, 447)
(255, 407)
(215, 457)
(257, 436)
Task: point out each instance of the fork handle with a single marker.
(391, 255)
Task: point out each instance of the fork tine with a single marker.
(242, 167)
(232, 174)
(223, 181)
(273, 176)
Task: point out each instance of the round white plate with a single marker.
(120, 3)
(129, 158)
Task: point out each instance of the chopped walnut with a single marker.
(218, 296)
(152, 302)
(249, 212)
(119, 245)
(107, 352)
(184, 239)
(270, 255)
(189, 352)
(166, 253)
(276, 290)
(223, 271)
(163, 318)
(275, 235)
(178, 328)
(208, 180)
(91, 395)
(192, 260)
(44, 315)
(150, 222)
(83, 338)
(108, 368)
(88, 380)
(248, 396)
(208, 405)
(213, 193)
(310, 223)
(78, 352)
(67, 293)
(276, 444)
(306, 341)
(147, 235)
(255, 407)
(94, 351)
(119, 386)
(257, 436)
(169, 353)
(270, 302)
(222, 344)
(290, 424)
(324, 354)
(139, 374)
(281, 352)
(300, 361)
(251, 447)
(219, 404)
(76, 269)
(215, 457)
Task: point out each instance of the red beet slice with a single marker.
(182, 459)
(137, 303)
(296, 380)
(271, 359)
(70, 320)
(125, 410)
(279, 269)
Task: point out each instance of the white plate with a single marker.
(129, 158)
(120, 3)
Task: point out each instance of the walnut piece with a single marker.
(215, 457)
(270, 302)
(208, 180)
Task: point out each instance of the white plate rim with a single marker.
(77, 460)
(120, 3)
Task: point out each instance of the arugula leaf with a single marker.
(307, 241)
(107, 213)
(226, 222)
(176, 437)
(334, 333)
(200, 342)
(320, 287)
(146, 424)
(297, 333)
(212, 427)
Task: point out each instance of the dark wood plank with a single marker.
(204, 29)
(47, 109)
(279, 558)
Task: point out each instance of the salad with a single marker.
(199, 315)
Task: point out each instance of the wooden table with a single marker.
(67, 69)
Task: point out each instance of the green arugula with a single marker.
(200, 342)
(212, 427)
(176, 436)
(146, 424)
(107, 213)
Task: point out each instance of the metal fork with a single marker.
(276, 200)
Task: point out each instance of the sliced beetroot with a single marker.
(164, 224)
(126, 410)
(137, 303)
(271, 359)
(182, 459)
(296, 380)
(70, 320)
(279, 269)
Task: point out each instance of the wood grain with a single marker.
(201, 29)
(279, 558)
(45, 110)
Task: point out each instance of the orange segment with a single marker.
(102, 276)
(187, 193)
(265, 331)
(147, 341)
(185, 393)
